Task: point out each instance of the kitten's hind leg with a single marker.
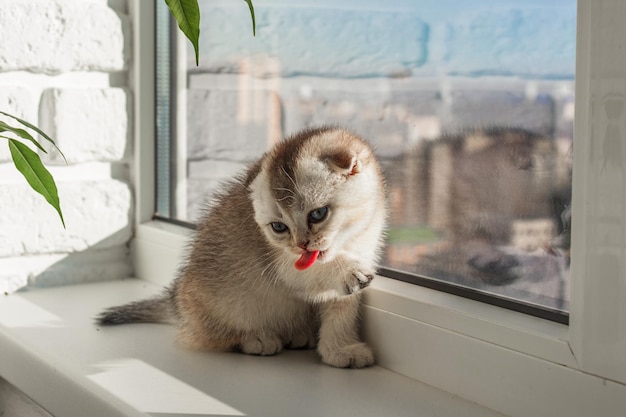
(263, 344)
(339, 343)
(195, 336)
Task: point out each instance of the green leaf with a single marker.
(251, 7)
(21, 133)
(187, 14)
(36, 129)
(37, 176)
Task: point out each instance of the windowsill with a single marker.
(159, 247)
(521, 332)
(506, 361)
(66, 364)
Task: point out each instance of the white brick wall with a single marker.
(88, 124)
(19, 102)
(57, 58)
(54, 36)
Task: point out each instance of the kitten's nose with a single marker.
(303, 245)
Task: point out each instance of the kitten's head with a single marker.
(319, 195)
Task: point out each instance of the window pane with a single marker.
(469, 104)
(163, 112)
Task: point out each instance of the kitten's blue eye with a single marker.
(279, 227)
(317, 215)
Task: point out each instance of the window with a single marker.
(511, 362)
(469, 106)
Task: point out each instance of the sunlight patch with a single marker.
(18, 312)
(151, 390)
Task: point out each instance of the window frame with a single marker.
(496, 357)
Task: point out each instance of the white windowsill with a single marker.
(506, 328)
(71, 367)
(514, 363)
(505, 361)
(159, 248)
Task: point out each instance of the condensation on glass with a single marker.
(469, 105)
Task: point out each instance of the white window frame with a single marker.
(508, 361)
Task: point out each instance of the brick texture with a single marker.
(87, 124)
(97, 215)
(54, 59)
(19, 102)
(54, 36)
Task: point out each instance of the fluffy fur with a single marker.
(320, 191)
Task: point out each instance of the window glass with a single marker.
(469, 105)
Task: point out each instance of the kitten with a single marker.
(281, 256)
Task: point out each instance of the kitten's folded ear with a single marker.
(345, 162)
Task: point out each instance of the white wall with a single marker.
(63, 67)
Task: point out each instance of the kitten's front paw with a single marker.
(357, 355)
(264, 345)
(359, 281)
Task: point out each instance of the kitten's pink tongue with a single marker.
(306, 260)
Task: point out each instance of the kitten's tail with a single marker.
(153, 310)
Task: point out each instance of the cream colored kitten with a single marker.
(280, 258)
